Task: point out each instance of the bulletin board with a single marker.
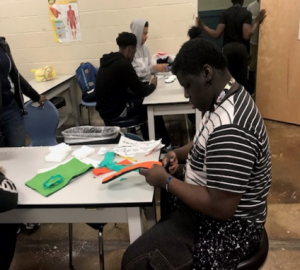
(278, 71)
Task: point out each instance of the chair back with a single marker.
(41, 124)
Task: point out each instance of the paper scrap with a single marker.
(83, 152)
(129, 148)
(102, 151)
(62, 147)
(56, 157)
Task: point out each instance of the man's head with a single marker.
(238, 2)
(127, 45)
(198, 66)
(70, 7)
(194, 32)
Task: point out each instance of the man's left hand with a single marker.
(157, 176)
(42, 100)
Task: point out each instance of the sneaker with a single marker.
(31, 228)
(169, 148)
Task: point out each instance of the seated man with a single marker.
(119, 92)
(114, 79)
(221, 205)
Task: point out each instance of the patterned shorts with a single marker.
(218, 245)
(222, 245)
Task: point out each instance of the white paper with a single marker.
(102, 151)
(83, 152)
(56, 157)
(91, 161)
(129, 148)
(60, 148)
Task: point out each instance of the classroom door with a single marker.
(278, 71)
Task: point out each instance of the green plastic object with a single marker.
(67, 171)
(108, 162)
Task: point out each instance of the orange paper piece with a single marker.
(125, 162)
(98, 171)
(142, 165)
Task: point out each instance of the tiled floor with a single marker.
(48, 247)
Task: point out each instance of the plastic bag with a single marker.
(90, 134)
(44, 74)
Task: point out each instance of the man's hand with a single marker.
(42, 100)
(199, 22)
(154, 81)
(161, 67)
(261, 16)
(156, 177)
(171, 157)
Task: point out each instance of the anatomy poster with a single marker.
(65, 20)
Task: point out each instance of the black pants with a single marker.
(166, 246)
(136, 107)
(8, 238)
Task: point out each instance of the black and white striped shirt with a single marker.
(231, 153)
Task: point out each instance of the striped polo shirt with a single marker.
(231, 153)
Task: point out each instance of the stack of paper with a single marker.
(58, 152)
(129, 148)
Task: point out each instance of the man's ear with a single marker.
(208, 71)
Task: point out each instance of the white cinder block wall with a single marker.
(27, 27)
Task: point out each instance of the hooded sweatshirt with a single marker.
(142, 58)
(115, 76)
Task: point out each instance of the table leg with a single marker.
(135, 223)
(71, 245)
(75, 104)
(150, 213)
(151, 126)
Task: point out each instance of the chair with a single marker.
(130, 124)
(88, 105)
(258, 257)
(96, 226)
(58, 102)
(41, 124)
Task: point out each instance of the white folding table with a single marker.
(55, 87)
(84, 200)
(168, 99)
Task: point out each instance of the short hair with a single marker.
(126, 39)
(237, 2)
(194, 32)
(146, 24)
(196, 53)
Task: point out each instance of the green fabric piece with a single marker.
(68, 171)
(123, 179)
(108, 162)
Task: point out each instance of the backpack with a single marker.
(86, 77)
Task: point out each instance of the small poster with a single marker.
(65, 20)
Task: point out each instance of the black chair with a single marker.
(130, 124)
(257, 259)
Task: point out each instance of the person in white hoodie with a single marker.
(143, 68)
(142, 59)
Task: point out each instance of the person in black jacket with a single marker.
(236, 24)
(12, 88)
(119, 91)
(8, 236)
